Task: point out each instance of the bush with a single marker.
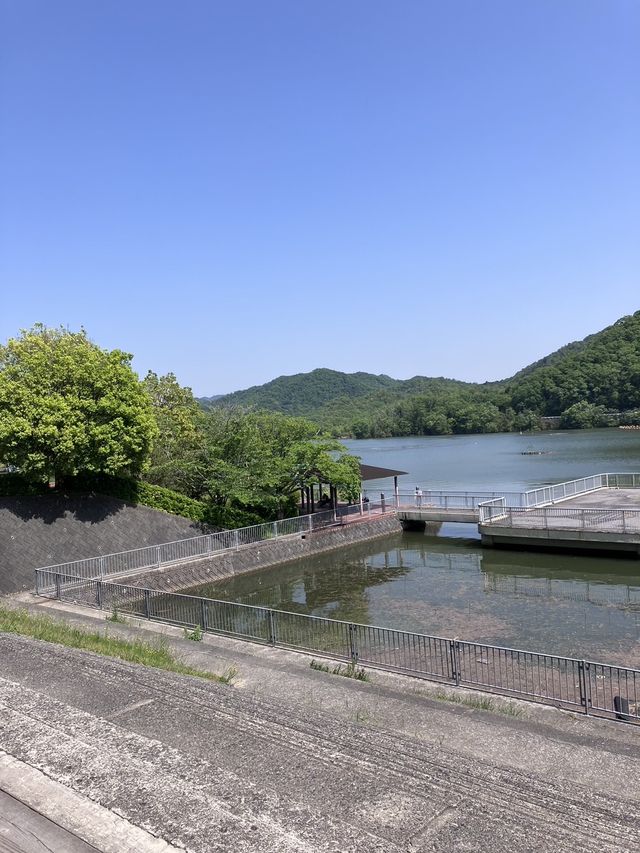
(135, 492)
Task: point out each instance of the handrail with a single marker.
(572, 683)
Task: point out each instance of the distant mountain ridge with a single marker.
(602, 372)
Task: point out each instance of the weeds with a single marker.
(479, 703)
(195, 635)
(50, 630)
(114, 616)
(350, 670)
(229, 674)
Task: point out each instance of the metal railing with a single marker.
(445, 499)
(154, 556)
(626, 521)
(579, 685)
(561, 491)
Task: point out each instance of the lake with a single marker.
(443, 583)
(498, 461)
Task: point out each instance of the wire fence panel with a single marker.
(237, 620)
(312, 634)
(521, 673)
(404, 651)
(184, 549)
(614, 690)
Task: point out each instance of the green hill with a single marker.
(583, 382)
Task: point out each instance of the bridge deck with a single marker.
(606, 519)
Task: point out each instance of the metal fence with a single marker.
(153, 556)
(561, 518)
(444, 499)
(579, 685)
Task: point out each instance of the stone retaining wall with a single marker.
(268, 553)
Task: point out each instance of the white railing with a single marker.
(197, 547)
(153, 556)
(596, 520)
(492, 510)
(445, 499)
(561, 491)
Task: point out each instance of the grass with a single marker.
(114, 616)
(50, 630)
(195, 635)
(479, 703)
(348, 671)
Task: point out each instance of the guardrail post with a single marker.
(99, 594)
(236, 539)
(203, 614)
(37, 582)
(585, 685)
(101, 567)
(382, 502)
(275, 529)
(272, 627)
(353, 642)
(157, 555)
(58, 587)
(147, 604)
(454, 655)
(310, 522)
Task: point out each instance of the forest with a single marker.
(590, 383)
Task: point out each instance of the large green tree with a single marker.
(259, 461)
(175, 459)
(68, 407)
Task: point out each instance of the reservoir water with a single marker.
(442, 583)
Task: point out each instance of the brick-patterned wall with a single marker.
(267, 553)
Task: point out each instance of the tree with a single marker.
(259, 461)
(67, 407)
(179, 418)
(582, 415)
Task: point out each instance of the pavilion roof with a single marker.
(372, 472)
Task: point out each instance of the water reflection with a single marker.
(565, 604)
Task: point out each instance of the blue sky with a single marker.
(233, 191)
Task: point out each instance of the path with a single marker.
(291, 759)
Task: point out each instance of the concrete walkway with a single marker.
(292, 759)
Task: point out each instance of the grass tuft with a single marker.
(114, 616)
(195, 635)
(348, 671)
(50, 630)
(479, 703)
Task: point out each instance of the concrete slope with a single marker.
(51, 529)
(298, 761)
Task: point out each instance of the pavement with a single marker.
(293, 759)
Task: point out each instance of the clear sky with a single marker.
(238, 190)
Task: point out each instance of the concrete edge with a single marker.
(79, 816)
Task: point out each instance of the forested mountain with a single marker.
(583, 382)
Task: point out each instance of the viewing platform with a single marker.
(598, 513)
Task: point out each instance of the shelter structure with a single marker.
(314, 497)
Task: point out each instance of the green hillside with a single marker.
(584, 382)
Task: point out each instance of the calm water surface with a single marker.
(441, 582)
(494, 462)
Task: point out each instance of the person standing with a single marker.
(418, 496)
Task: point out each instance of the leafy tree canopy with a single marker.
(180, 421)
(67, 406)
